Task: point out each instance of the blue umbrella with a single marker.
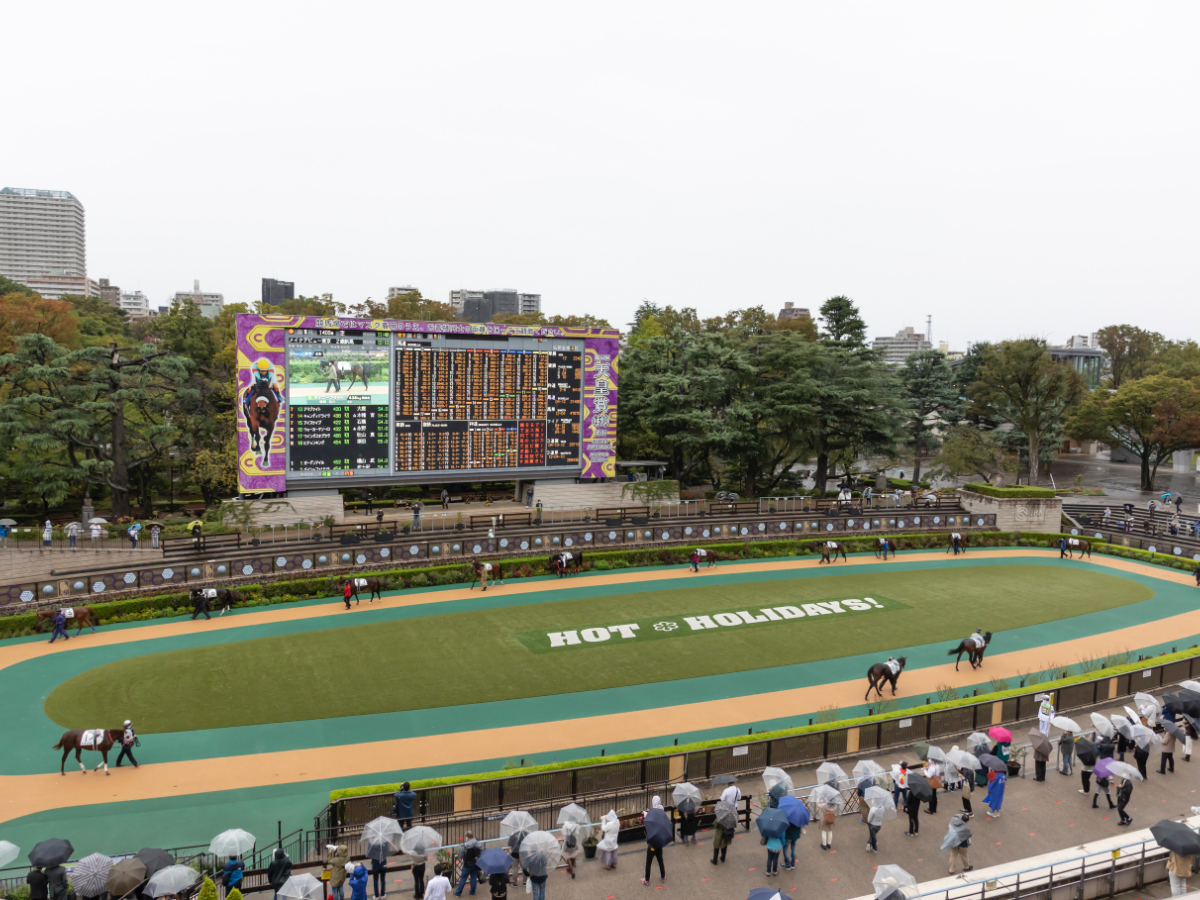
(136, 526)
(494, 861)
(772, 823)
(796, 812)
(659, 830)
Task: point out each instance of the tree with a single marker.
(8, 286)
(965, 374)
(26, 313)
(208, 890)
(1151, 417)
(802, 325)
(843, 324)
(407, 307)
(1130, 352)
(302, 306)
(1020, 384)
(100, 323)
(1180, 359)
(970, 450)
(931, 398)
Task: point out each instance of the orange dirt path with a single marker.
(26, 794)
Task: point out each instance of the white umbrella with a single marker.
(866, 768)
(1124, 726)
(573, 812)
(1141, 698)
(8, 852)
(420, 842)
(302, 887)
(881, 797)
(772, 776)
(171, 880)
(1065, 724)
(824, 795)
(1125, 770)
(1144, 737)
(1103, 726)
(831, 774)
(97, 521)
(517, 820)
(961, 759)
(233, 842)
(936, 754)
(382, 834)
(1190, 686)
(894, 877)
(540, 853)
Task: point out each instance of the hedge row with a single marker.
(1109, 672)
(1009, 493)
(269, 593)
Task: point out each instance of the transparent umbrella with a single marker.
(726, 815)
(978, 742)
(826, 795)
(540, 853)
(867, 768)
(881, 797)
(573, 812)
(894, 877)
(686, 797)
(382, 834)
(936, 754)
(89, 875)
(1125, 770)
(1065, 724)
(961, 759)
(233, 842)
(831, 774)
(1123, 725)
(517, 820)
(1142, 699)
(171, 880)
(1103, 726)
(420, 842)
(772, 776)
(302, 887)
(9, 852)
(1186, 685)
(1144, 737)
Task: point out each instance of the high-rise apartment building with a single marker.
(55, 287)
(274, 291)
(42, 235)
(897, 349)
(481, 306)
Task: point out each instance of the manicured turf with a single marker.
(500, 654)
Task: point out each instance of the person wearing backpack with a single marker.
(468, 852)
(570, 845)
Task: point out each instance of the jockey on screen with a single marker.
(264, 376)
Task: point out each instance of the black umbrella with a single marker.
(154, 860)
(50, 853)
(724, 779)
(1086, 751)
(919, 787)
(1193, 721)
(765, 894)
(1176, 837)
(1174, 730)
(1184, 701)
(659, 831)
(494, 861)
(995, 763)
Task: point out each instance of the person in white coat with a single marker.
(610, 826)
(1045, 713)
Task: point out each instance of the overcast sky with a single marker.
(1009, 168)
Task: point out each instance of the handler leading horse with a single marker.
(832, 549)
(1067, 546)
(84, 615)
(101, 740)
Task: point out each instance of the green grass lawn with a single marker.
(500, 654)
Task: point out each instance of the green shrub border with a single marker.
(1010, 493)
(738, 740)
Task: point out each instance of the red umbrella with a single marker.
(999, 734)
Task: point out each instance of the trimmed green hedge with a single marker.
(907, 485)
(1003, 493)
(738, 740)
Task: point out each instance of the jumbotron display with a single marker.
(329, 402)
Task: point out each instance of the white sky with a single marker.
(1011, 168)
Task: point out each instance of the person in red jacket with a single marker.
(347, 590)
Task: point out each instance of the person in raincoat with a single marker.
(279, 871)
(995, 795)
(610, 827)
(956, 841)
(874, 823)
(337, 871)
(402, 805)
(721, 841)
(358, 883)
(47, 534)
(1045, 713)
(1066, 752)
(570, 845)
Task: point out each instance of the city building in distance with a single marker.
(209, 304)
(135, 304)
(481, 306)
(274, 291)
(792, 311)
(1082, 341)
(897, 349)
(43, 242)
(109, 293)
(400, 291)
(1082, 354)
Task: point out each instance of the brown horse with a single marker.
(84, 615)
(1071, 544)
(371, 585)
(832, 549)
(485, 571)
(262, 412)
(73, 740)
(335, 369)
(957, 543)
(882, 546)
(880, 674)
(974, 651)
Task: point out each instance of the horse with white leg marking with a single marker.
(830, 550)
(77, 739)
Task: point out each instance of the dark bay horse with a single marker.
(491, 570)
(560, 567)
(261, 417)
(882, 546)
(880, 674)
(371, 585)
(974, 653)
(830, 550)
(73, 740)
(1072, 544)
(84, 615)
(335, 369)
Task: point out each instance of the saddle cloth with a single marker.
(1073, 542)
(894, 666)
(68, 612)
(979, 641)
(955, 536)
(343, 366)
(702, 553)
(209, 593)
(360, 582)
(487, 567)
(566, 557)
(92, 737)
(832, 545)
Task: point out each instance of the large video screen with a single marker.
(378, 402)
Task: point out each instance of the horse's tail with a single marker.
(59, 745)
(957, 650)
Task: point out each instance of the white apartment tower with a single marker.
(43, 241)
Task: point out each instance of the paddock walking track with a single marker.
(253, 717)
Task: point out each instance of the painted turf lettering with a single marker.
(815, 609)
(562, 638)
(626, 631)
(789, 612)
(834, 606)
(751, 619)
(595, 635)
(699, 623)
(728, 619)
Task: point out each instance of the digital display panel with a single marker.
(378, 402)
